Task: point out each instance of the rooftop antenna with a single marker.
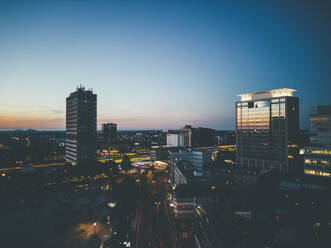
(81, 87)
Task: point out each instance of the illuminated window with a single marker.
(317, 173)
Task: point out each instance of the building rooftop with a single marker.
(267, 94)
(80, 90)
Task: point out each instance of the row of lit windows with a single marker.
(276, 105)
(317, 173)
(253, 123)
(323, 118)
(254, 127)
(254, 110)
(253, 114)
(256, 120)
(324, 162)
(278, 110)
(326, 152)
(278, 100)
(275, 100)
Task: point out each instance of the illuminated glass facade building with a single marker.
(267, 128)
(317, 157)
(81, 127)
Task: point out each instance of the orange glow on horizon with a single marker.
(37, 123)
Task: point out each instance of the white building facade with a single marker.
(197, 158)
(175, 140)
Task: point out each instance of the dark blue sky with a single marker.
(159, 64)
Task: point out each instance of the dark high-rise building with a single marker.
(202, 136)
(317, 156)
(81, 127)
(109, 131)
(267, 127)
(187, 134)
(198, 137)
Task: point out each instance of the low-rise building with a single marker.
(198, 158)
(159, 153)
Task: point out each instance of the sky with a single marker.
(159, 64)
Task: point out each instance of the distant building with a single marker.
(187, 135)
(162, 153)
(320, 126)
(196, 158)
(198, 137)
(159, 153)
(225, 137)
(81, 127)
(109, 131)
(175, 140)
(202, 137)
(200, 158)
(267, 128)
(317, 156)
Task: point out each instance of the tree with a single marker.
(113, 167)
(266, 191)
(126, 193)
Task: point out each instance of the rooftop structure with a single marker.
(266, 94)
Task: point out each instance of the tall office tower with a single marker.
(187, 134)
(81, 127)
(109, 131)
(317, 156)
(267, 127)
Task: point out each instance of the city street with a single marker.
(155, 224)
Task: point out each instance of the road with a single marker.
(105, 159)
(102, 160)
(155, 224)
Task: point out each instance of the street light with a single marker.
(157, 203)
(108, 223)
(95, 226)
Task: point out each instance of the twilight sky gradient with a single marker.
(159, 64)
